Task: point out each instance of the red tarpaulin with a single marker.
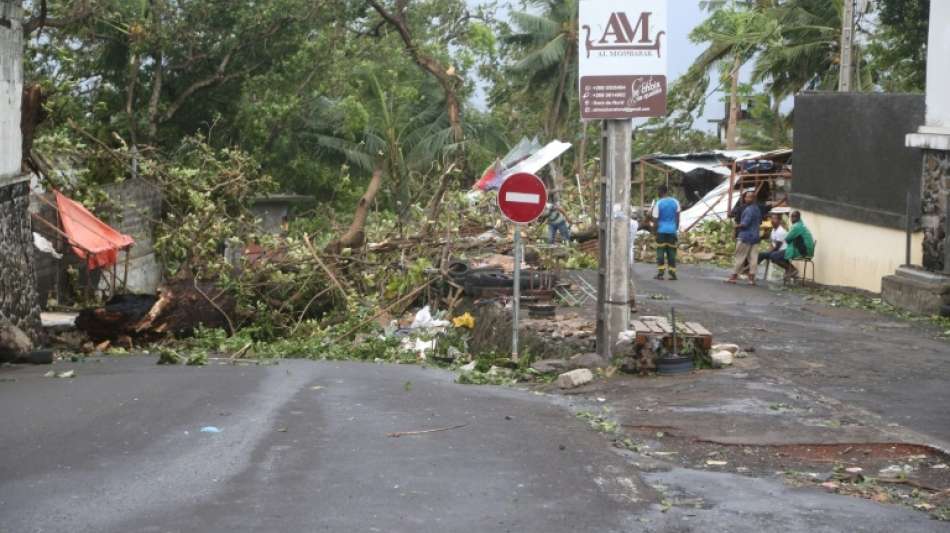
(91, 239)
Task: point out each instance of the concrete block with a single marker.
(918, 292)
(575, 378)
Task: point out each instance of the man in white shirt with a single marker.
(777, 239)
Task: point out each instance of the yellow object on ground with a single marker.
(464, 321)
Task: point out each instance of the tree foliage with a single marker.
(899, 47)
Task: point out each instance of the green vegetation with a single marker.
(857, 300)
(374, 108)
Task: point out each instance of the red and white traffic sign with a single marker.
(522, 198)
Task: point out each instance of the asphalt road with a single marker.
(304, 446)
(893, 368)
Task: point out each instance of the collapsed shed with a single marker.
(709, 181)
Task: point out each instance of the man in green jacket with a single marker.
(801, 244)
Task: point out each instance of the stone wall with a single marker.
(935, 202)
(18, 301)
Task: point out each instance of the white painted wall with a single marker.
(938, 67)
(11, 90)
(851, 254)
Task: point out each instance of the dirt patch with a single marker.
(908, 474)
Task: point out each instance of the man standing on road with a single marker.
(748, 239)
(666, 212)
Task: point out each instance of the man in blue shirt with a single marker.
(748, 239)
(666, 212)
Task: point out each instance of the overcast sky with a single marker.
(684, 16)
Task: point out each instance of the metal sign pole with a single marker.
(516, 303)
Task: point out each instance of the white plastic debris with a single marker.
(628, 336)
(44, 245)
(722, 359)
(424, 320)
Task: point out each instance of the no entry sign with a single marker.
(522, 198)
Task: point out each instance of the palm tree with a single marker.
(805, 53)
(548, 46)
(735, 33)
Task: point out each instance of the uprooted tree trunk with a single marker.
(355, 235)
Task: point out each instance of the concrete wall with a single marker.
(854, 254)
(850, 157)
(18, 300)
(137, 205)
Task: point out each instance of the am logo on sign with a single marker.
(620, 37)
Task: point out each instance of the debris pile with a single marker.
(651, 337)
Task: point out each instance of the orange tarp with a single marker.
(91, 239)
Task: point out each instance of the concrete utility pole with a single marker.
(613, 279)
(846, 75)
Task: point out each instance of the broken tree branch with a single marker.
(324, 267)
(389, 307)
(398, 434)
(444, 76)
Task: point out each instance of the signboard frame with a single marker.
(622, 67)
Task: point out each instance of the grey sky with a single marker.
(684, 16)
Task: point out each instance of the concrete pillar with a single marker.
(933, 138)
(18, 299)
(938, 71)
(11, 91)
(615, 224)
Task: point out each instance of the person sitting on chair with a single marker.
(777, 239)
(801, 244)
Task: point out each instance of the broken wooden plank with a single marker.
(640, 327)
(698, 329)
(704, 334)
